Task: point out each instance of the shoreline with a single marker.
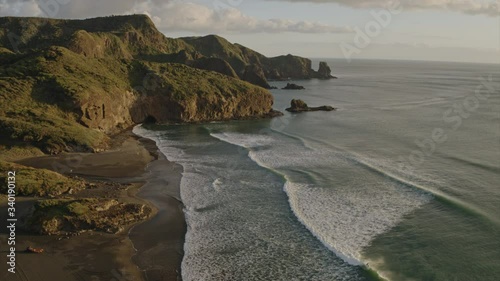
(160, 255)
(100, 256)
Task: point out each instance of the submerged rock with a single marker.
(291, 86)
(301, 106)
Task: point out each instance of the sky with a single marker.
(440, 30)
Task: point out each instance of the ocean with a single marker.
(402, 182)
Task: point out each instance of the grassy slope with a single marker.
(212, 45)
(39, 98)
(38, 182)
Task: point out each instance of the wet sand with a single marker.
(159, 241)
(95, 256)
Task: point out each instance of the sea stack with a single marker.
(324, 71)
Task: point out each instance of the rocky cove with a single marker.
(74, 88)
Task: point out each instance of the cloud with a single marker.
(473, 7)
(19, 8)
(199, 18)
(169, 16)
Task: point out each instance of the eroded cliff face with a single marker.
(205, 96)
(164, 108)
(107, 114)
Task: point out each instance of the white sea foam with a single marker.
(240, 226)
(345, 212)
(239, 221)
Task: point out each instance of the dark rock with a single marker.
(288, 67)
(322, 108)
(324, 71)
(298, 104)
(291, 86)
(273, 113)
(301, 106)
(255, 75)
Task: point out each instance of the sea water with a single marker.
(402, 182)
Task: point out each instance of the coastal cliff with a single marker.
(67, 85)
(241, 57)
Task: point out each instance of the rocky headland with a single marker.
(68, 85)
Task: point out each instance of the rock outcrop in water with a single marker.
(301, 106)
(324, 71)
(292, 86)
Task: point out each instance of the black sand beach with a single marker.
(151, 250)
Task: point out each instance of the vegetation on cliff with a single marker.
(66, 85)
(241, 58)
